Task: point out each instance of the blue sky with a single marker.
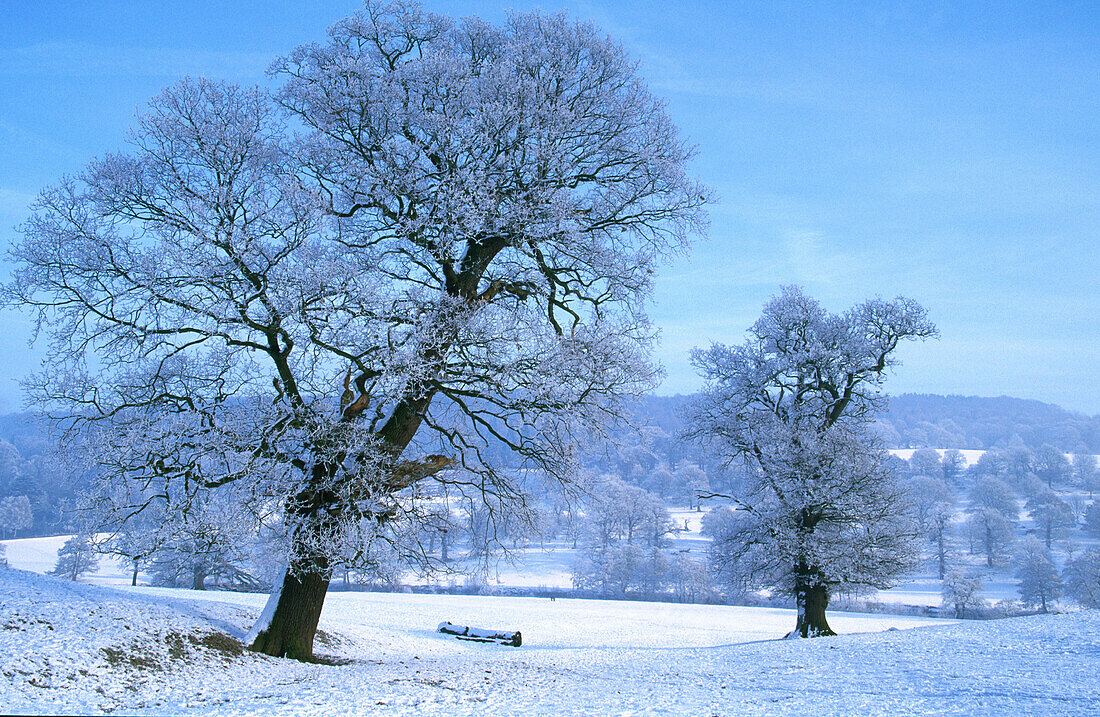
(947, 151)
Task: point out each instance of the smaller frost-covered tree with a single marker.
(935, 507)
(75, 558)
(962, 593)
(1051, 465)
(925, 462)
(952, 465)
(1040, 583)
(15, 514)
(131, 542)
(1085, 474)
(690, 578)
(993, 514)
(1082, 578)
(1092, 519)
(819, 510)
(942, 516)
(1053, 516)
(692, 482)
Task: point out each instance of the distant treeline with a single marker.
(930, 421)
(651, 454)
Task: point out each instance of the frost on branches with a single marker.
(818, 512)
(449, 258)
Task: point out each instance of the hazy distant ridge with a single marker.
(928, 420)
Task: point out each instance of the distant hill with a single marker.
(926, 420)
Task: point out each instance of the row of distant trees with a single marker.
(622, 534)
(1018, 464)
(1048, 485)
(1040, 581)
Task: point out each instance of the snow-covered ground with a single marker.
(78, 648)
(39, 555)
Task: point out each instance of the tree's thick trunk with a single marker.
(812, 600)
(198, 579)
(289, 621)
(133, 580)
(293, 624)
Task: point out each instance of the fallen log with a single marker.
(477, 634)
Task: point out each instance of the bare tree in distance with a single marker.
(963, 593)
(1040, 583)
(935, 508)
(76, 557)
(994, 513)
(452, 256)
(952, 465)
(1085, 475)
(818, 511)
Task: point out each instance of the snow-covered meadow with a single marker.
(79, 648)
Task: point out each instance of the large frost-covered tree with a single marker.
(818, 511)
(451, 255)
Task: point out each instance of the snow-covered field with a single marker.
(77, 648)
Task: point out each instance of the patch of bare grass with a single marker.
(162, 652)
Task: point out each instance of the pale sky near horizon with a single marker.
(946, 151)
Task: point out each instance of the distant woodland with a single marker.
(650, 453)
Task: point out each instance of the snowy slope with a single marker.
(39, 555)
(80, 648)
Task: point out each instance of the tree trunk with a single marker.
(198, 579)
(812, 602)
(942, 551)
(133, 580)
(942, 561)
(289, 621)
(290, 631)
